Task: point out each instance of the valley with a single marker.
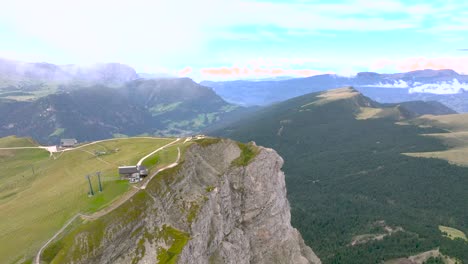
(165, 107)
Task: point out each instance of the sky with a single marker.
(240, 39)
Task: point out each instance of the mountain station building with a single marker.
(133, 173)
(68, 142)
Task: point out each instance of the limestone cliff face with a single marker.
(247, 217)
(210, 209)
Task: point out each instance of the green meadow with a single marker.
(40, 192)
(452, 233)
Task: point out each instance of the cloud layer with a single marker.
(452, 87)
(207, 34)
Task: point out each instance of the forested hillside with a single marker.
(153, 107)
(355, 198)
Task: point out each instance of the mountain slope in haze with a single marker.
(86, 114)
(421, 76)
(158, 107)
(266, 92)
(225, 203)
(445, 86)
(355, 196)
(164, 96)
(28, 81)
(104, 73)
(419, 108)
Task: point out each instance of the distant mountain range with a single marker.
(445, 86)
(48, 101)
(155, 107)
(16, 75)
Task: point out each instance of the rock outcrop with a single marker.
(225, 203)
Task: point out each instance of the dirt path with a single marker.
(128, 194)
(12, 148)
(114, 204)
(38, 256)
(105, 140)
(149, 155)
(164, 168)
(54, 148)
(50, 149)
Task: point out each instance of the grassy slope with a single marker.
(455, 137)
(128, 215)
(36, 205)
(40, 89)
(343, 174)
(13, 141)
(452, 233)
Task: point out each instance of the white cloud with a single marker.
(396, 84)
(452, 87)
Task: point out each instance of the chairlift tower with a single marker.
(91, 192)
(99, 180)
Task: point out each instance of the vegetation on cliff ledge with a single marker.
(248, 153)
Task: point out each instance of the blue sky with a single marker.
(221, 39)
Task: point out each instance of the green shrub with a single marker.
(248, 153)
(204, 142)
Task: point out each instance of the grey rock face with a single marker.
(247, 219)
(206, 210)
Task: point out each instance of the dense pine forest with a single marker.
(347, 177)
